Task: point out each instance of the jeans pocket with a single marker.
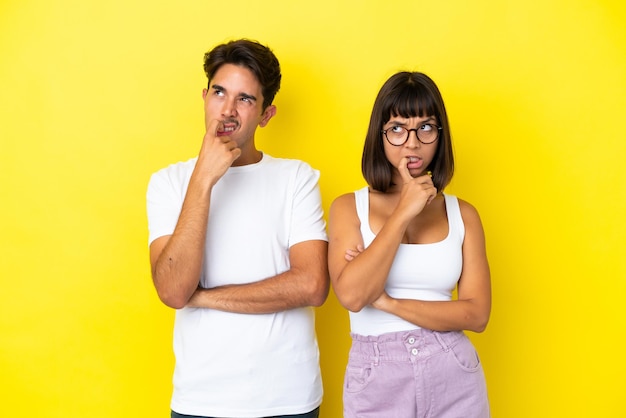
(465, 355)
(357, 377)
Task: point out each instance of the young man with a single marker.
(238, 247)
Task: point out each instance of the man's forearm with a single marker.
(305, 284)
(275, 294)
(178, 261)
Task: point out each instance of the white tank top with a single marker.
(419, 271)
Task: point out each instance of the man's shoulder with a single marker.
(180, 165)
(288, 163)
(180, 168)
(175, 176)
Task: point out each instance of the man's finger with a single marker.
(215, 126)
(236, 152)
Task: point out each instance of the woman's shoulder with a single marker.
(465, 205)
(350, 198)
(346, 206)
(469, 213)
(343, 201)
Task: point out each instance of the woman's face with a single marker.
(413, 152)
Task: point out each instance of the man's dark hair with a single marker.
(249, 54)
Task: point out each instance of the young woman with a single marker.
(397, 251)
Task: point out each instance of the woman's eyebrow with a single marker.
(404, 121)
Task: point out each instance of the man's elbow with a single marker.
(318, 291)
(171, 299)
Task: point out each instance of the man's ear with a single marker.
(268, 114)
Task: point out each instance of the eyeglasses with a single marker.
(426, 134)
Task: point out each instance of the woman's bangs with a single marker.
(412, 102)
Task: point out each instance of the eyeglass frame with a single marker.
(408, 134)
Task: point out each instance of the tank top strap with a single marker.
(361, 197)
(455, 220)
(362, 202)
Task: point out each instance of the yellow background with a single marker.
(97, 95)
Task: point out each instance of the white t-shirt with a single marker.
(240, 365)
(419, 271)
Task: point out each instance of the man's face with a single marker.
(234, 97)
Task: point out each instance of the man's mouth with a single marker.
(227, 128)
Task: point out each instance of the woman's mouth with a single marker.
(414, 163)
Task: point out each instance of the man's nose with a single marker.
(229, 108)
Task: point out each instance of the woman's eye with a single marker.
(426, 127)
(396, 129)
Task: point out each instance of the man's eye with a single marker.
(218, 93)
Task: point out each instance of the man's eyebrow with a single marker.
(247, 96)
(217, 87)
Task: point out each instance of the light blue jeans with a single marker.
(414, 374)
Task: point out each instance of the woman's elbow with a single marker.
(480, 323)
(354, 307)
(351, 302)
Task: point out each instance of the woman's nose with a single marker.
(413, 140)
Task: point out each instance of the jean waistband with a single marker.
(400, 345)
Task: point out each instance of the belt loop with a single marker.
(376, 353)
(439, 337)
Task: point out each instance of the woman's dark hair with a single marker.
(250, 54)
(406, 94)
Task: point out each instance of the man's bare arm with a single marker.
(306, 283)
(176, 260)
